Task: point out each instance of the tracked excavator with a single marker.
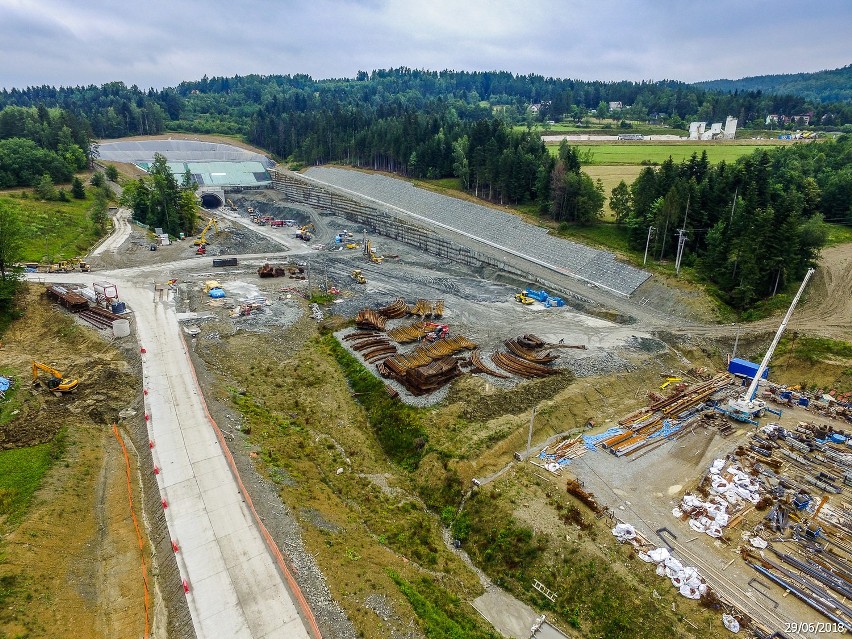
(212, 223)
(54, 381)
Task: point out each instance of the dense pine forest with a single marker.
(427, 124)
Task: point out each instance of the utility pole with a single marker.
(681, 242)
(734, 205)
(681, 239)
(651, 230)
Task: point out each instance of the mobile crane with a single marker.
(56, 382)
(746, 408)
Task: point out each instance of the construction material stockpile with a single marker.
(267, 270)
(665, 417)
(368, 318)
(522, 359)
(492, 226)
(372, 345)
(74, 302)
(409, 333)
(796, 480)
(427, 308)
(427, 368)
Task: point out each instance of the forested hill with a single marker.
(822, 87)
(230, 104)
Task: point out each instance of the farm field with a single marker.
(621, 153)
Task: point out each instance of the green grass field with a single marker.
(53, 230)
(21, 472)
(622, 153)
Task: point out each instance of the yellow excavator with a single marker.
(55, 382)
(212, 223)
(371, 254)
(306, 232)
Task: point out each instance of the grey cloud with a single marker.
(161, 43)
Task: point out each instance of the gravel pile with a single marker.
(598, 364)
(490, 225)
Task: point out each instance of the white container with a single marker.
(121, 328)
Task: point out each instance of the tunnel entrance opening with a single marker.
(211, 201)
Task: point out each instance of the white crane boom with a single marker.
(745, 407)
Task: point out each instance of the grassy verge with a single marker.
(604, 235)
(53, 230)
(398, 427)
(839, 234)
(21, 472)
(442, 615)
(814, 349)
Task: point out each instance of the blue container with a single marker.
(804, 401)
(216, 293)
(745, 368)
(118, 307)
(837, 438)
(787, 395)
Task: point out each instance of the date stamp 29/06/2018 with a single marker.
(815, 628)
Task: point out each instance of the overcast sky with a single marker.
(158, 43)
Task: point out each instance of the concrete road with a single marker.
(237, 587)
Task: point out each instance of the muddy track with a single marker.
(825, 312)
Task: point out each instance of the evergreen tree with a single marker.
(78, 191)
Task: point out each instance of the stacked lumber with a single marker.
(368, 318)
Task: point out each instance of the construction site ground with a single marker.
(348, 519)
(72, 563)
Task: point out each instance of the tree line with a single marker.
(753, 227)
(228, 104)
(38, 141)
